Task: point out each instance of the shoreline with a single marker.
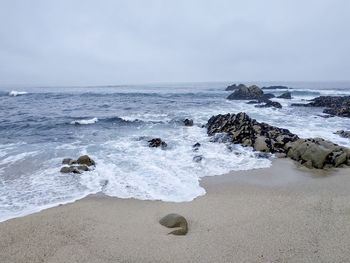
(281, 213)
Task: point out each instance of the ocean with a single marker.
(41, 126)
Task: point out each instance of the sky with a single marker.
(107, 42)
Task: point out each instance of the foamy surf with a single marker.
(84, 122)
(15, 93)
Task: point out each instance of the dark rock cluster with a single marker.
(344, 134)
(157, 142)
(263, 137)
(82, 164)
(188, 122)
(335, 105)
(254, 93)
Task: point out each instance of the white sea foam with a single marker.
(15, 93)
(84, 122)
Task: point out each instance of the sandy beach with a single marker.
(279, 214)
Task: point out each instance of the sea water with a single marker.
(41, 126)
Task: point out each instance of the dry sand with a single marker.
(279, 214)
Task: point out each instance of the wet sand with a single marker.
(278, 214)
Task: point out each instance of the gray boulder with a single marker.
(344, 134)
(246, 93)
(157, 142)
(85, 160)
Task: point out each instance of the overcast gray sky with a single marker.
(82, 42)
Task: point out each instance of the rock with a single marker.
(275, 87)
(269, 103)
(234, 87)
(246, 93)
(188, 122)
(198, 158)
(68, 161)
(313, 153)
(240, 128)
(318, 153)
(82, 168)
(287, 95)
(85, 159)
(335, 105)
(157, 142)
(281, 155)
(175, 220)
(344, 134)
(69, 169)
(196, 146)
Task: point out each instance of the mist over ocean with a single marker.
(41, 126)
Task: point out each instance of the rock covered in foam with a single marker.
(188, 122)
(313, 153)
(344, 134)
(77, 166)
(157, 142)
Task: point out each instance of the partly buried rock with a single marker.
(157, 142)
(175, 220)
(196, 146)
(246, 93)
(77, 166)
(344, 134)
(188, 122)
(316, 153)
(85, 160)
(287, 95)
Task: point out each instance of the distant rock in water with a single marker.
(175, 220)
(269, 103)
(286, 95)
(188, 122)
(234, 87)
(316, 153)
(77, 166)
(268, 96)
(344, 134)
(246, 93)
(157, 142)
(335, 105)
(275, 87)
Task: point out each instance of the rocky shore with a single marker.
(334, 105)
(312, 152)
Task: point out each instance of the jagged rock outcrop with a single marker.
(335, 105)
(175, 220)
(234, 87)
(157, 142)
(314, 152)
(286, 95)
(344, 134)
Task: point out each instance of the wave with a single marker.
(84, 122)
(15, 93)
